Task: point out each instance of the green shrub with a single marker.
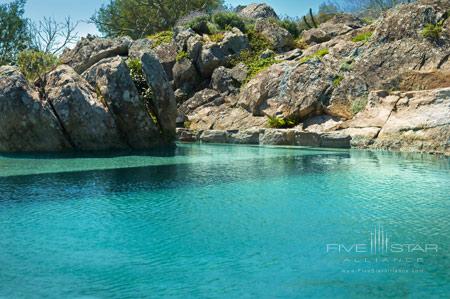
(290, 26)
(227, 20)
(358, 105)
(200, 25)
(163, 37)
(140, 81)
(217, 37)
(363, 37)
(317, 55)
(181, 55)
(35, 64)
(258, 42)
(281, 123)
(368, 20)
(258, 65)
(252, 57)
(433, 31)
(299, 43)
(337, 81)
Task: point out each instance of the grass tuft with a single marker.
(317, 55)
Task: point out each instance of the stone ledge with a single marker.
(267, 137)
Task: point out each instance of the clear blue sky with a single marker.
(84, 9)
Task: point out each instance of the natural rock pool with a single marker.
(210, 221)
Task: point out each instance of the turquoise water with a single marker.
(223, 222)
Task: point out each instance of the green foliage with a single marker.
(217, 37)
(257, 65)
(218, 22)
(433, 31)
(252, 57)
(363, 37)
(258, 42)
(137, 18)
(358, 105)
(200, 25)
(337, 81)
(182, 55)
(14, 36)
(226, 20)
(35, 64)
(163, 37)
(280, 123)
(368, 20)
(299, 43)
(187, 124)
(291, 26)
(317, 55)
(138, 77)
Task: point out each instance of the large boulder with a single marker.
(111, 78)
(234, 42)
(257, 11)
(420, 122)
(185, 76)
(223, 81)
(378, 64)
(407, 21)
(212, 55)
(90, 50)
(224, 117)
(84, 117)
(279, 37)
(163, 101)
(165, 52)
(201, 98)
(396, 50)
(249, 136)
(27, 124)
(214, 136)
(277, 137)
(289, 89)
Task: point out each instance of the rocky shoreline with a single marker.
(348, 83)
(266, 137)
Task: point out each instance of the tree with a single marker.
(14, 35)
(34, 64)
(51, 37)
(138, 18)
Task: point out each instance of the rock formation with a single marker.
(352, 67)
(89, 103)
(383, 85)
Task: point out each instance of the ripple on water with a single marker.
(216, 221)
